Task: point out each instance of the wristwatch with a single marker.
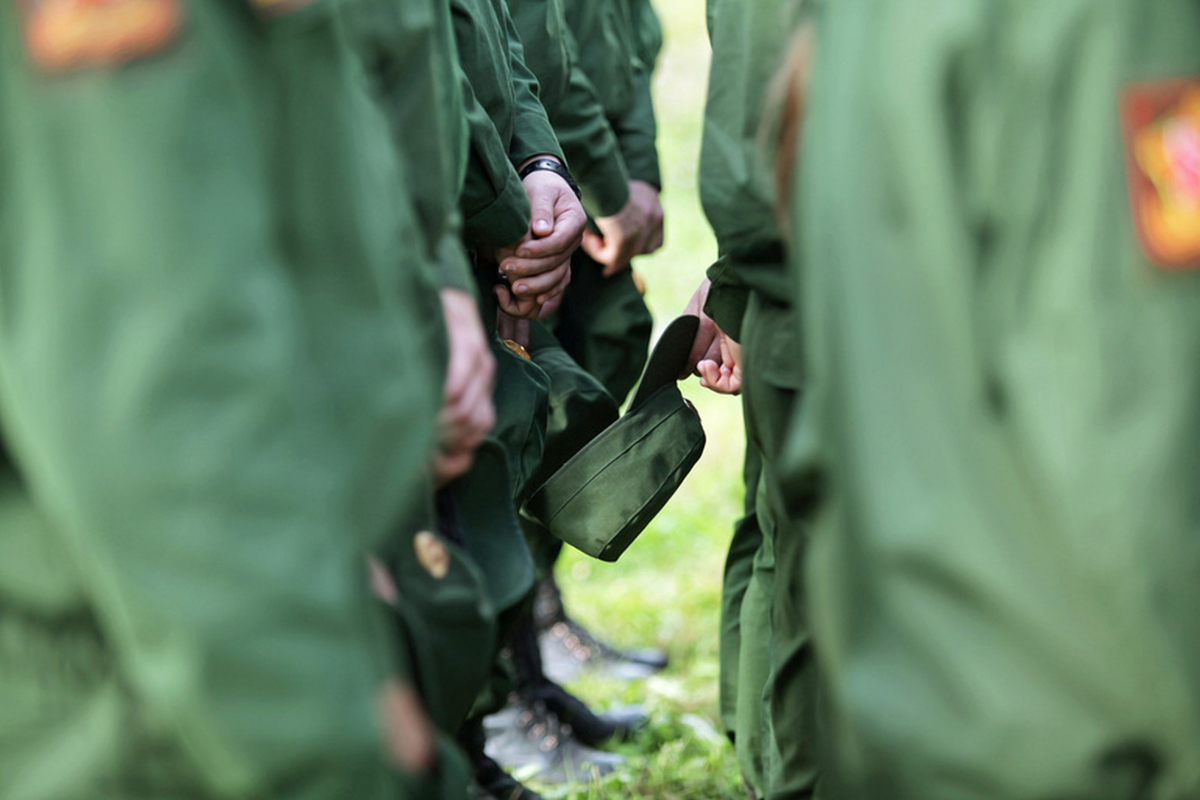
(550, 165)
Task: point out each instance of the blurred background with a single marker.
(666, 590)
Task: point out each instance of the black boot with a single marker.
(534, 688)
(527, 735)
(589, 727)
(491, 781)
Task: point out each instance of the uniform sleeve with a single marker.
(589, 143)
(532, 132)
(450, 256)
(409, 54)
(637, 128)
(728, 296)
(494, 205)
(156, 389)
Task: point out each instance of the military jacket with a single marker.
(211, 270)
(573, 104)
(999, 218)
(619, 41)
(506, 120)
(412, 62)
(749, 39)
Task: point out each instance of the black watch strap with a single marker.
(550, 165)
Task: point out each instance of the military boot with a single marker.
(527, 736)
(568, 648)
(490, 781)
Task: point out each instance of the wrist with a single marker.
(549, 164)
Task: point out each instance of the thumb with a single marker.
(542, 223)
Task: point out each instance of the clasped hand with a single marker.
(538, 267)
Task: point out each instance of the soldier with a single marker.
(996, 208)
(604, 57)
(748, 341)
(212, 405)
(441, 608)
(605, 325)
(523, 220)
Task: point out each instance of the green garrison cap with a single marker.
(606, 494)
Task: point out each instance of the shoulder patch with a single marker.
(1161, 124)
(66, 35)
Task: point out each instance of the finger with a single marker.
(476, 412)
(511, 305)
(594, 245)
(713, 378)
(540, 284)
(458, 372)
(522, 309)
(704, 348)
(452, 429)
(613, 268)
(551, 305)
(382, 584)
(448, 466)
(729, 380)
(519, 268)
(505, 326)
(621, 259)
(566, 237)
(556, 291)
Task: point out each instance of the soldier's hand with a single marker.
(722, 373)
(467, 414)
(538, 267)
(622, 236)
(714, 357)
(510, 328)
(527, 297)
(408, 736)
(646, 197)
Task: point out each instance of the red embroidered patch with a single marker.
(1161, 123)
(64, 35)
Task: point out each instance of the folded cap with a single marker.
(606, 494)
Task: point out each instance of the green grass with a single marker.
(666, 590)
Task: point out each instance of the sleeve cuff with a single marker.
(454, 268)
(727, 299)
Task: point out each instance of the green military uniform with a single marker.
(573, 104)
(507, 122)
(619, 41)
(999, 215)
(507, 125)
(579, 406)
(764, 621)
(444, 608)
(409, 51)
(208, 397)
(604, 323)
